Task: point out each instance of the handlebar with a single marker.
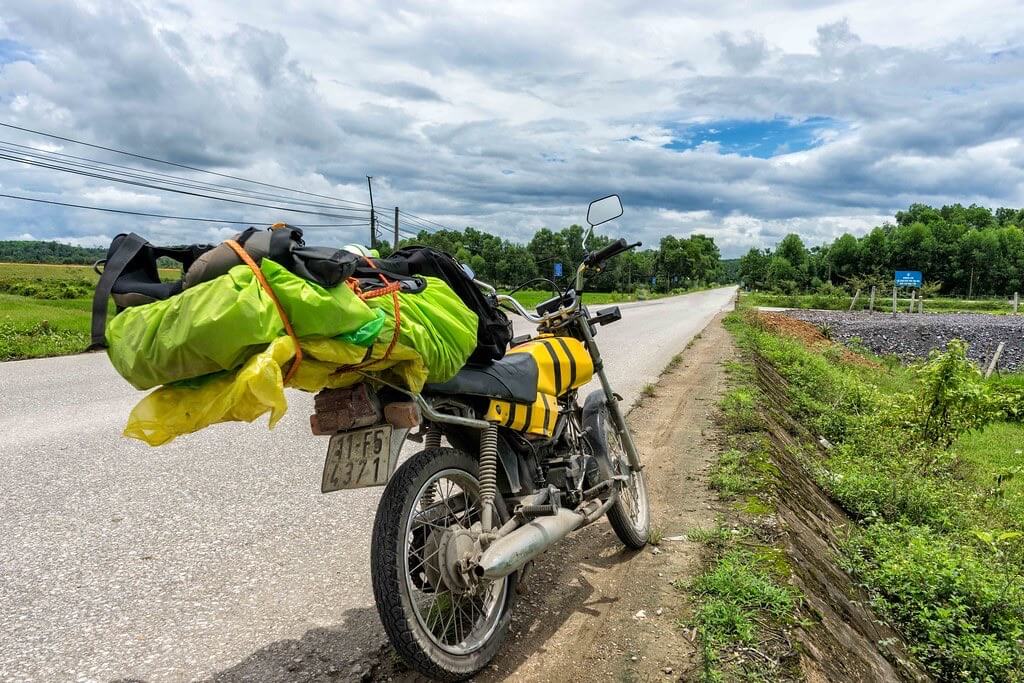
(510, 301)
(596, 258)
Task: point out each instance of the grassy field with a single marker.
(929, 461)
(882, 303)
(44, 310)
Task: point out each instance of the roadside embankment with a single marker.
(905, 477)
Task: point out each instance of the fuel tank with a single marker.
(563, 364)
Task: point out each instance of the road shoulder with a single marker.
(596, 610)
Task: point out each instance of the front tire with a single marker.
(630, 516)
(445, 632)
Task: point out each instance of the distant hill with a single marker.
(36, 251)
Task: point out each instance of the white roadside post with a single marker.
(854, 302)
(871, 303)
(913, 294)
(894, 301)
(1016, 301)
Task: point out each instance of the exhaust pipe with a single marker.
(508, 553)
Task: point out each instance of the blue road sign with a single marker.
(908, 278)
(558, 270)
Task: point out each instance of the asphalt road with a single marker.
(215, 555)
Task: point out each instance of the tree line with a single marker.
(33, 251)
(676, 262)
(964, 251)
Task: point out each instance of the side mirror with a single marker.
(604, 210)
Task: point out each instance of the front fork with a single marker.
(612, 400)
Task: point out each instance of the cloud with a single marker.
(743, 55)
(736, 122)
(405, 91)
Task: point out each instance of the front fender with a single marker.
(595, 414)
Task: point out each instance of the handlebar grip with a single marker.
(612, 249)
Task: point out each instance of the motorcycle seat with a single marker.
(512, 378)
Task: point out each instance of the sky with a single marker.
(742, 121)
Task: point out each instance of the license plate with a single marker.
(358, 459)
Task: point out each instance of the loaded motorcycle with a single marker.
(528, 463)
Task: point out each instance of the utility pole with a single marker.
(396, 227)
(373, 215)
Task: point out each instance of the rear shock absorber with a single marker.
(488, 474)
(432, 440)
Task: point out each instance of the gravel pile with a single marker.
(913, 336)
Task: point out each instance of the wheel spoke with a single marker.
(457, 622)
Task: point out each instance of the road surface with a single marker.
(215, 555)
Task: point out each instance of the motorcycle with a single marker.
(458, 526)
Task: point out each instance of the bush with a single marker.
(963, 612)
(952, 399)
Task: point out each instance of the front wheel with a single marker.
(442, 625)
(630, 516)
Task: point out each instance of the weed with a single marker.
(656, 535)
(649, 391)
(729, 477)
(741, 597)
(715, 537)
(739, 411)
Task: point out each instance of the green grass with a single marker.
(740, 595)
(938, 512)
(45, 310)
(33, 328)
(842, 303)
(995, 458)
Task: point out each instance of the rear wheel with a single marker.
(630, 516)
(444, 626)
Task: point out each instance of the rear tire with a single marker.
(630, 516)
(401, 596)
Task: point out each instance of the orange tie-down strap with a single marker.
(244, 255)
(388, 288)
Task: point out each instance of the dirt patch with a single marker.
(810, 335)
(845, 640)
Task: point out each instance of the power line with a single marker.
(427, 220)
(160, 215)
(169, 189)
(417, 224)
(46, 160)
(132, 172)
(175, 164)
